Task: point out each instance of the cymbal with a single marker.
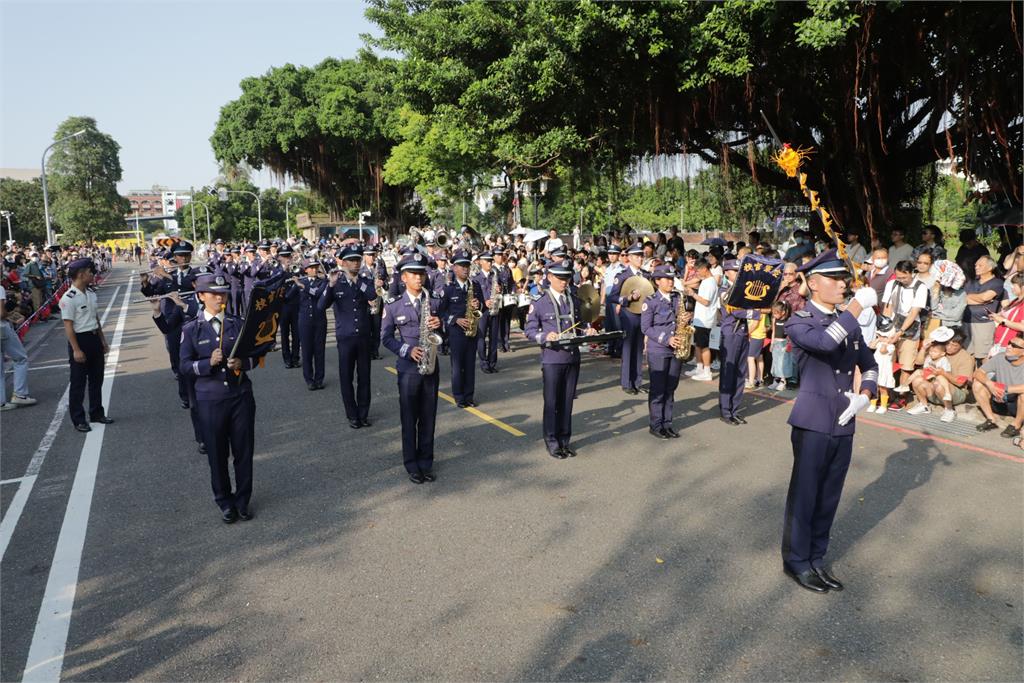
(590, 302)
(640, 284)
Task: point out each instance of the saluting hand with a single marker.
(216, 357)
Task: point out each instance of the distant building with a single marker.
(158, 202)
(19, 173)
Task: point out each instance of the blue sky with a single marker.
(153, 74)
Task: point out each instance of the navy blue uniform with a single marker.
(658, 323)
(489, 326)
(826, 348)
(463, 348)
(312, 329)
(733, 359)
(351, 303)
(226, 409)
(289, 325)
(507, 285)
(417, 394)
(633, 342)
(560, 368)
(379, 271)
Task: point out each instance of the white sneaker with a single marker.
(748, 385)
(919, 409)
(704, 376)
(881, 409)
(948, 415)
(902, 389)
(23, 400)
(872, 407)
(693, 371)
(781, 385)
(7, 406)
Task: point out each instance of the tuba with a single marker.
(428, 341)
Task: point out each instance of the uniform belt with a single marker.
(89, 332)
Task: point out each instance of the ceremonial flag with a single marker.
(757, 282)
(259, 324)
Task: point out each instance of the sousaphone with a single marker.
(637, 283)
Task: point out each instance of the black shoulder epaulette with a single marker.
(71, 293)
(389, 300)
(803, 314)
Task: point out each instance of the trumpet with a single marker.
(169, 295)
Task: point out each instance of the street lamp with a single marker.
(46, 197)
(287, 227)
(207, 224)
(222, 195)
(542, 190)
(7, 215)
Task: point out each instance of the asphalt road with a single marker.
(639, 559)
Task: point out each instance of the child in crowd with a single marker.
(935, 360)
(782, 360)
(758, 332)
(884, 349)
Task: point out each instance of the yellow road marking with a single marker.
(479, 413)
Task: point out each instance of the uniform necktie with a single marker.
(215, 323)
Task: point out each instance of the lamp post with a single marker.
(192, 202)
(287, 226)
(222, 194)
(207, 223)
(7, 215)
(46, 197)
(542, 186)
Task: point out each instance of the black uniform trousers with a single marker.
(289, 327)
(820, 463)
(733, 375)
(229, 429)
(632, 350)
(487, 339)
(661, 400)
(559, 391)
(611, 324)
(417, 402)
(505, 327)
(463, 350)
(375, 323)
(88, 373)
(313, 338)
(354, 365)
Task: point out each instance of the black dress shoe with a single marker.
(84, 427)
(472, 404)
(558, 454)
(827, 578)
(355, 424)
(671, 432)
(184, 403)
(569, 451)
(416, 478)
(808, 580)
(731, 421)
(102, 419)
(739, 420)
(461, 404)
(429, 476)
(202, 447)
(643, 390)
(245, 514)
(311, 386)
(229, 516)
(319, 385)
(365, 422)
(659, 433)
(631, 391)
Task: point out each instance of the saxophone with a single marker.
(684, 331)
(495, 306)
(429, 341)
(472, 316)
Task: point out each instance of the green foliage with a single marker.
(237, 218)
(83, 173)
(24, 198)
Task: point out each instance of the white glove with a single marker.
(867, 296)
(858, 402)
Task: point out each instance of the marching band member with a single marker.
(658, 322)
(507, 286)
(87, 346)
(611, 315)
(375, 269)
(401, 333)
(312, 325)
(633, 342)
(226, 408)
(453, 313)
(733, 353)
(554, 313)
(488, 331)
(289, 324)
(350, 294)
(827, 346)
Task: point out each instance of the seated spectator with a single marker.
(1001, 380)
(1009, 321)
(944, 387)
(983, 295)
(906, 302)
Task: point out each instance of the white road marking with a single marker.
(12, 481)
(46, 654)
(17, 506)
